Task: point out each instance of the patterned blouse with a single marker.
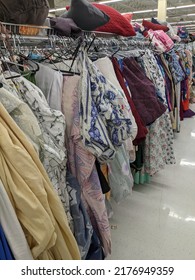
(104, 112)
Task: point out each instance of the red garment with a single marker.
(186, 102)
(142, 130)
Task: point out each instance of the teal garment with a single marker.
(120, 176)
(139, 162)
(141, 178)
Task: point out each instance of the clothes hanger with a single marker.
(25, 58)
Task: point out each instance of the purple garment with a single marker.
(143, 92)
(65, 26)
(188, 114)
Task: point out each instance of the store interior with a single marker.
(97, 130)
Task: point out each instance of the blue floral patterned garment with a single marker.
(104, 112)
(175, 67)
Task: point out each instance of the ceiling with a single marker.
(174, 16)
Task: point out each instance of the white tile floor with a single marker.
(158, 220)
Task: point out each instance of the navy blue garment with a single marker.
(87, 240)
(95, 251)
(83, 229)
(5, 252)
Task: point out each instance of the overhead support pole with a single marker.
(162, 10)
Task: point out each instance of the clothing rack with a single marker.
(17, 36)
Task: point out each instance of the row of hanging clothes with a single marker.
(81, 121)
(186, 53)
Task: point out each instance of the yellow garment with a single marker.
(37, 206)
(104, 169)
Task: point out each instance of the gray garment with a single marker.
(24, 11)
(65, 27)
(12, 228)
(119, 175)
(86, 15)
(51, 84)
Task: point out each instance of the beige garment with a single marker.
(37, 205)
(24, 118)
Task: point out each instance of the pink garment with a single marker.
(82, 163)
(161, 40)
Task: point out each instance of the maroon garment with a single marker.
(143, 92)
(181, 109)
(142, 130)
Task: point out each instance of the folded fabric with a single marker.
(155, 21)
(128, 17)
(149, 25)
(162, 37)
(65, 26)
(24, 11)
(117, 23)
(85, 15)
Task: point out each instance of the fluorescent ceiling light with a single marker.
(56, 10)
(140, 19)
(171, 8)
(144, 11)
(186, 6)
(107, 2)
(155, 10)
(182, 22)
(190, 25)
(126, 13)
(135, 12)
(190, 15)
(101, 2)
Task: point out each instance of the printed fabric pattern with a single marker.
(81, 164)
(120, 176)
(52, 125)
(159, 149)
(25, 119)
(175, 67)
(104, 112)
